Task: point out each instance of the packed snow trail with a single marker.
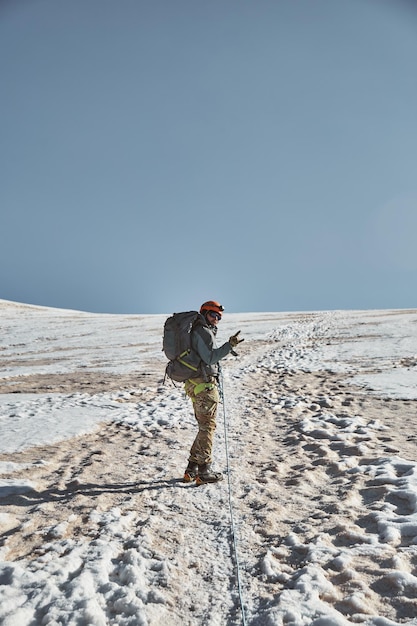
(99, 529)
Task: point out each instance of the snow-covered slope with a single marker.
(97, 527)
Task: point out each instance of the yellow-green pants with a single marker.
(205, 398)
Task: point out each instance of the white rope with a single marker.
(232, 523)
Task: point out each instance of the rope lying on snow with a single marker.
(232, 523)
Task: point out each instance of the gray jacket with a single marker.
(203, 342)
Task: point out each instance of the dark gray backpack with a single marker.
(184, 362)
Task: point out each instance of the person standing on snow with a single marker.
(204, 393)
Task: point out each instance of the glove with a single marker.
(234, 339)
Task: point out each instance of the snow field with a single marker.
(98, 528)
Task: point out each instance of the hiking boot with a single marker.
(190, 473)
(206, 475)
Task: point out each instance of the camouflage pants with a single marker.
(205, 398)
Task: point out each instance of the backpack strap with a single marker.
(181, 360)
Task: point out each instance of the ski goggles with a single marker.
(215, 315)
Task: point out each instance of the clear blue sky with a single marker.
(155, 154)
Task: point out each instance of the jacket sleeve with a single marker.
(203, 344)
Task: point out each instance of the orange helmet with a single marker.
(211, 305)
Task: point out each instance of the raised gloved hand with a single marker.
(234, 339)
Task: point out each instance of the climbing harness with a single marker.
(232, 523)
(199, 387)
